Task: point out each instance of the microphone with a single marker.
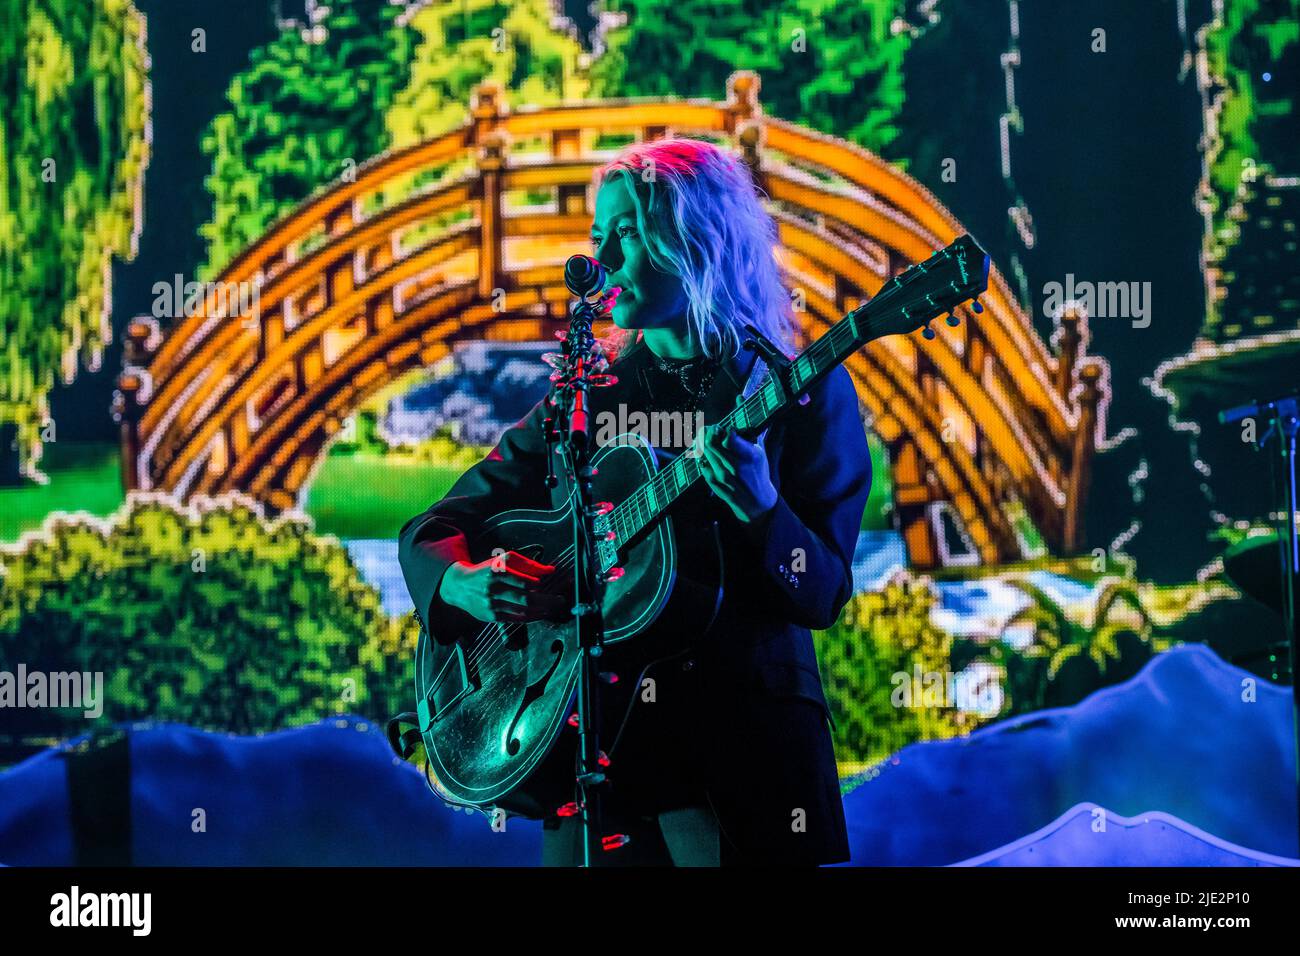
(583, 275)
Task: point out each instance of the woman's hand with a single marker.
(737, 471)
(506, 587)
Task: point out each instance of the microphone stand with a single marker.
(568, 403)
(1284, 418)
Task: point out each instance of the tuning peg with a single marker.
(953, 320)
(927, 332)
(975, 306)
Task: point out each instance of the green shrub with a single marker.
(211, 616)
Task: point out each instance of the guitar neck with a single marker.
(904, 304)
(649, 502)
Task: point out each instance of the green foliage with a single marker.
(461, 45)
(298, 115)
(440, 449)
(1059, 661)
(879, 635)
(1228, 536)
(1254, 118)
(214, 619)
(1066, 659)
(73, 112)
(833, 65)
(303, 108)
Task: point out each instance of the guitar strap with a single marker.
(757, 376)
(403, 744)
(757, 373)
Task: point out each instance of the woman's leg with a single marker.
(692, 836)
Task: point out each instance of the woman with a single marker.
(730, 759)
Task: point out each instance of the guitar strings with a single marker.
(489, 640)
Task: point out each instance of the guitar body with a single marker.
(494, 699)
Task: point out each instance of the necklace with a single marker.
(691, 379)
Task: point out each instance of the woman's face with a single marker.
(649, 299)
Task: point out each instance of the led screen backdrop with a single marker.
(273, 274)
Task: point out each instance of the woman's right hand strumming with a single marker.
(507, 588)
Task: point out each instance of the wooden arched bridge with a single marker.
(465, 237)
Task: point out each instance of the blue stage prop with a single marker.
(1191, 761)
(1190, 736)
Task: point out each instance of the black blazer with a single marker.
(743, 719)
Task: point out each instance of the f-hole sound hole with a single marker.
(533, 692)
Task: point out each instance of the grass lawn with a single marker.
(352, 496)
(84, 476)
(372, 496)
(881, 498)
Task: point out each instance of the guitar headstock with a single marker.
(912, 299)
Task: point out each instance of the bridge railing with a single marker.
(467, 235)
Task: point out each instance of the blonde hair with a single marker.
(699, 214)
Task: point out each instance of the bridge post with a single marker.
(132, 395)
(743, 119)
(1068, 340)
(912, 497)
(1092, 376)
(750, 139)
(485, 111)
(570, 198)
(566, 143)
(848, 296)
(742, 99)
(491, 164)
